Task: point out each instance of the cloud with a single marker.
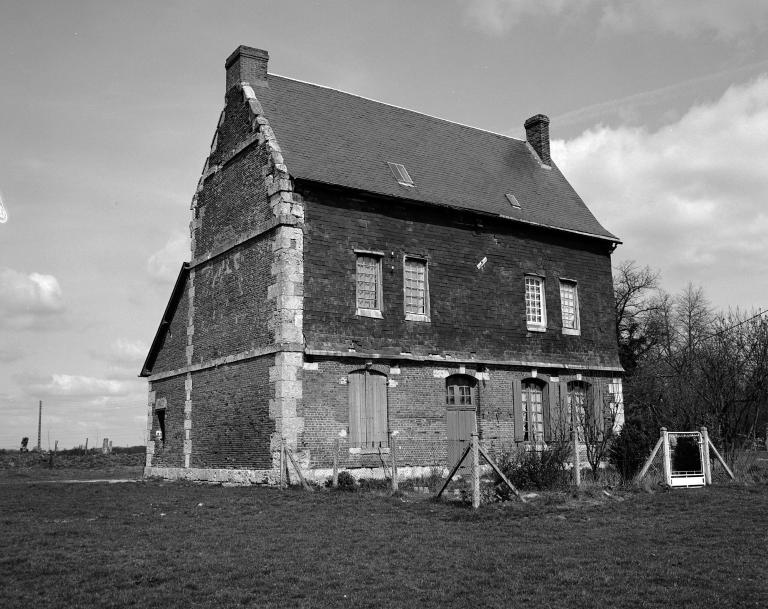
(163, 266)
(68, 385)
(27, 300)
(127, 352)
(727, 20)
(10, 353)
(688, 198)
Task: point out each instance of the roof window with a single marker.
(400, 173)
(513, 200)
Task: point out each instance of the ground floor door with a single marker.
(461, 404)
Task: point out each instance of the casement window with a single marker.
(535, 304)
(577, 399)
(569, 305)
(458, 390)
(368, 284)
(415, 289)
(533, 411)
(368, 427)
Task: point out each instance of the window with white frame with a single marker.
(533, 411)
(569, 305)
(368, 283)
(535, 303)
(416, 289)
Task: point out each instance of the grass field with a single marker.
(153, 544)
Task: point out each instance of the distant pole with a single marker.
(39, 424)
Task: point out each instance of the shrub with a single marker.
(540, 469)
(630, 449)
(347, 482)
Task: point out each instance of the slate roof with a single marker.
(337, 138)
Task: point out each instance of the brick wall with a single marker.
(169, 451)
(172, 354)
(474, 313)
(231, 311)
(231, 422)
(236, 345)
(416, 408)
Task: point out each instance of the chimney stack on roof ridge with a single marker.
(247, 64)
(537, 134)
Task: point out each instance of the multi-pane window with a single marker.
(368, 283)
(458, 394)
(416, 289)
(569, 304)
(533, 412)
(535, 305)
(577, 399)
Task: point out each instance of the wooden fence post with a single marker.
(393, 451)
(576, 459)
(475, 472)
(336, 463)
(666, 457)
(706, 464)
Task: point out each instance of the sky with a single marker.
(659, 119)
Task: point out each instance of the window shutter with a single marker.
(517, 406)
(564, 411)
(546, 412)
(376, 401)
(356, 384)
(598, 405)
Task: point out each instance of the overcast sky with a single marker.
(659, 116)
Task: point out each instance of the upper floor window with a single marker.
(535, 304)
(569, 304)
(368, 284)
(416, 289)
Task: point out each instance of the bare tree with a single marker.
(597, 422)
(636, 294)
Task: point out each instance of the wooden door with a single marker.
(461, 398)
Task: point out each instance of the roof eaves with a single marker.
(165, 322)
(607, 237)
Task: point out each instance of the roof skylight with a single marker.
(400, 173)
(513, 200)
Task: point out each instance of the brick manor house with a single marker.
(359, 269)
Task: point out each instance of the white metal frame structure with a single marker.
(684, 479)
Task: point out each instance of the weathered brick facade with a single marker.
(261, 335)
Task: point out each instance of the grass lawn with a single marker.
(153, 544)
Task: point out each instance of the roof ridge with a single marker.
(376, 101)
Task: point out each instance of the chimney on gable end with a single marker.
(537, 134)
(246, 64)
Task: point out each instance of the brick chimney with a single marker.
(247, 64)
(537, 134)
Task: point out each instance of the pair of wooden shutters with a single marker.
(367, 409)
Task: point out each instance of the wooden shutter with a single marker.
(546, 412)
(356, 384)
(597, 391)
(376, 405)
(565, 420)
(517, 406)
